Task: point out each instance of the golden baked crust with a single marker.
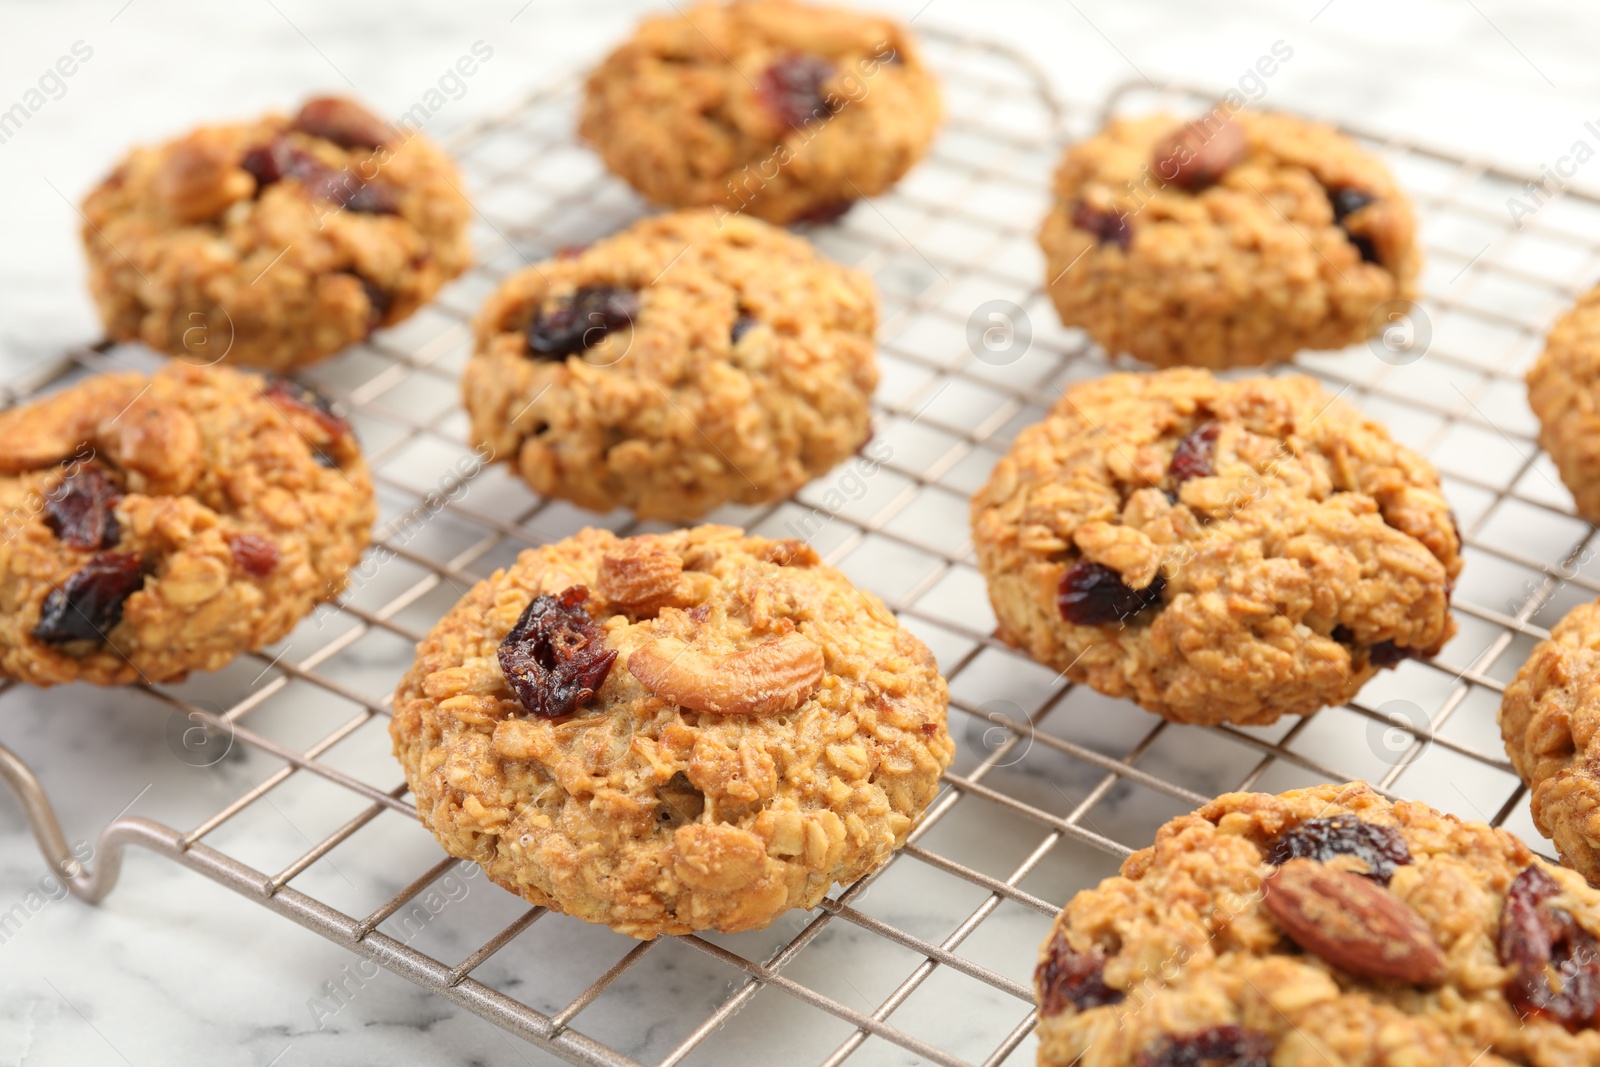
(195, 251)
(1564, 392)
(672, 416)
(1189, 946)
(1305, 549)
(1550, 721)
(245, 503)
(684, 110)
(1245, 271)
(639, 813)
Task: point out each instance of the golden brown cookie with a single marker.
(1226, 242)
(672, 732)
(160, 525)
(781, 110)
(682, 364)
(1550, 719)
(275, 242)
(1217, 551)
(1324, 926)
(1564, 392)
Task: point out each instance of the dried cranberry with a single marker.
(1108, 227)
(1554, 962)
(79, 509)
(379, 301)
(1380, 847)
(1215, 1046)
(286, 392)
(555, 657)
(827, 211)
(1076, 978)
(1195, 455)
(90, 603)
(266, 162)
(741, 326)
(1347, 201)
(279, 159)
(256, 555)
(581, 321)
(1092, 594)
(1387, 654)
(792, 88)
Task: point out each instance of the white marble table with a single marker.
(173, 970)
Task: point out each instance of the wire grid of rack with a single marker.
(1053, 784)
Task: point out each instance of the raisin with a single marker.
(256, 555)
(1554, 962)
(286, 392)
(1092, 594)
(1215, 1046)
(555, 657)
(792, 89)
(581, 321)
(1347, 201)
(1380, 847)
(79, 509)
(1195, 455)
(266, 163)
(1076, 978)
(1108, 227)
(827, 211)
(90, 603)
(741, 326)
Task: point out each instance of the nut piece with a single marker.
(201, 178)
(1199, 153)
(641, 581)
(157, 444)
(1353, 924)
(777, 676)
(344, 122)
(62, 426)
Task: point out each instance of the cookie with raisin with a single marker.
(1261, 930)
(1218, 551)
(162, 524)
(786, 111)
(666, 733)
(1236, 239)
(684, 363)
(275, 242)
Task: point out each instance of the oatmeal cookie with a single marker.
(672, 732)
(1564, 392)
(157, 525)
(1324, 926)
(682, 364)
(1217, 551)
(1226, 242)
(275, 242)
(1550, 721)
(782, 110)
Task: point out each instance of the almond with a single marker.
(1353, 924)
(1199, 153)
(344, 122)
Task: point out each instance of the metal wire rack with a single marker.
(1053, 784)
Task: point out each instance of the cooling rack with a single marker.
(928, 961)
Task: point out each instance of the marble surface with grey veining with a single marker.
(173, 970)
